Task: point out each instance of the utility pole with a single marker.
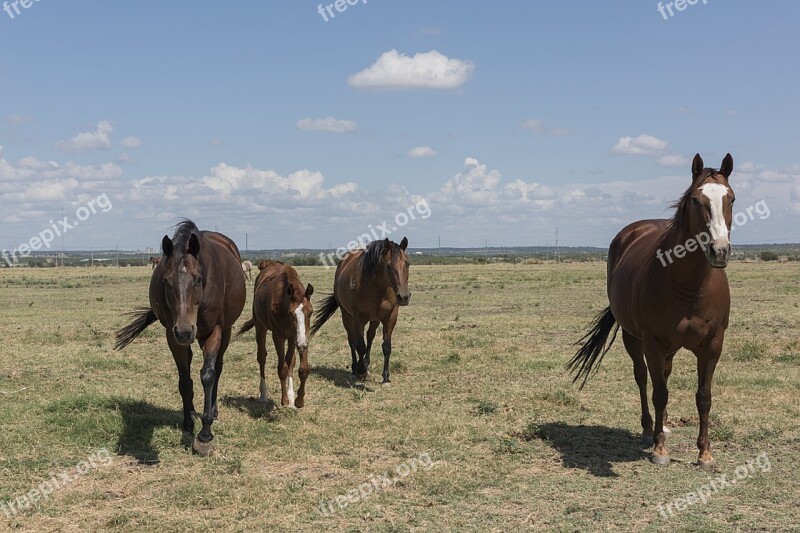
(116, 247)
(558, 257)
(246, 245)
(63, 247)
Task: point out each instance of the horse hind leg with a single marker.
(656, 360)
(667, 372)
(261, 356)
(635, 350)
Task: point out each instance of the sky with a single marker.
(465, 123)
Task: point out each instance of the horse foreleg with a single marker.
(208, 376)
(706, 364)
(388, 329)
(303, 371)
(183, 360)
(373, 327)
(284, 374)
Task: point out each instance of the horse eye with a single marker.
(733, 201)
(198, 281)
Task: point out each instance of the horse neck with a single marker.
(691, 271)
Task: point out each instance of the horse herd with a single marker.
(198, 291)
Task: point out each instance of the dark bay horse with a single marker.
(154, 261)
(370, 286)
(282, 305)
(668, 290)
(197, 292)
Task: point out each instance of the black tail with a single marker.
(595, 345)
(144, 317)
(324, 313)
(250, 324)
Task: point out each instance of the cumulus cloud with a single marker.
(99, 139)
(131, 142)
(421, 152)
(429, 70)
(328, 124)
(642, 145)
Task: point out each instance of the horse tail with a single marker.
(250, 324)
(324, 313)
(595, 345)
(143, 318)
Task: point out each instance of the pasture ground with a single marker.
(478, 384)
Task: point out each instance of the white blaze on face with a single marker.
(715, 192)
(301, 326)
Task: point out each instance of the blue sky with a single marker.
(577, 115)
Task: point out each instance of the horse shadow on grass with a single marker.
(252, 406)
(340, 377)
(139, 421)
(590, 448)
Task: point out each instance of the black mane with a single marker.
(682, 204)
(371, 259)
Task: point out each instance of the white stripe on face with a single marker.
(715, 192)
(301, 326)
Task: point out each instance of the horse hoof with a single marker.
(203, 449)
(662, 460)
(386, 384)
(707, 466)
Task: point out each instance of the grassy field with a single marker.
(478, 387)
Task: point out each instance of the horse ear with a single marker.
(194, 245)
(404, 244)
(309, 290)
(166, 246)
(697, 166)
(726, 169)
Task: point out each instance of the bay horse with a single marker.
(283, 306)
(664, 303)
(369, 287)
(247, 268)
(154, 261)
(197, 292)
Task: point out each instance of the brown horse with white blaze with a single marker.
(668, 290)
(283, 306)
(197, 292)
(370, 286)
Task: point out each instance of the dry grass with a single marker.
(478, 383)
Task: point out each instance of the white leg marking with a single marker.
(290, 391)
(262, 387)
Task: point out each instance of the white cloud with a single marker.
(328, 124)
(18, 119)
(421, 152)
(538, 127)
(100, 139)
(673, 160)
(131, 142)
(429, 70)
(642, 145)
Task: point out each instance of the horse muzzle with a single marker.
(404, 299)
(184, 336)
(718, 257)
